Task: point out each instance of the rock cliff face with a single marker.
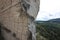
(17, 19)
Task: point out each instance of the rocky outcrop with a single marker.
(17, 19)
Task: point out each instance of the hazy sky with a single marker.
(49, 9)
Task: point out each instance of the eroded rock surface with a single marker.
(17, 19)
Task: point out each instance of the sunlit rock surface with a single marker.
(17, 19)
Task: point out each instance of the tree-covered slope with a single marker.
(48, 31)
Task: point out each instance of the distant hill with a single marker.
(57, 20)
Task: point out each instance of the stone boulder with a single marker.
(17, 19)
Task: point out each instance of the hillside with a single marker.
(48, 30)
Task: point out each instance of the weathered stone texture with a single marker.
(15, 17)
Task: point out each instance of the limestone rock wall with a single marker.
(17, 19)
